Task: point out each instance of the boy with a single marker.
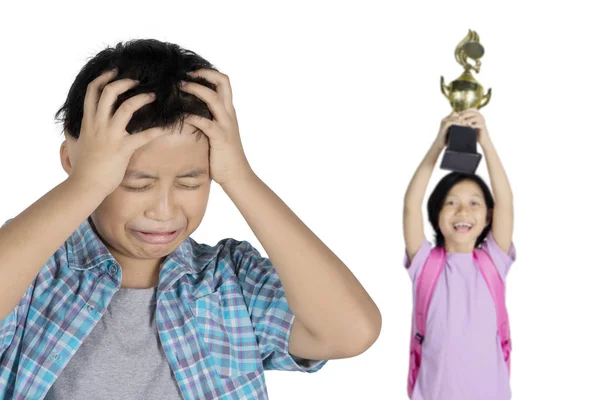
(119, 301)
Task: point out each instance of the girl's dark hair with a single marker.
(159, 66)
(438, 197)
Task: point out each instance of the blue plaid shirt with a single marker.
(221, 314)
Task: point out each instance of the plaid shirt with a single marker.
(221, 314)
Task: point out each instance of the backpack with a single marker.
(426, 284)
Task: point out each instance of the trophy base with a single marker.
(461, 154)
(460, 162)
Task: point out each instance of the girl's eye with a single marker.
(144, 188)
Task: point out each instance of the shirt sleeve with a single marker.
(415, 265)
(502, 260)
(13, 324)
(8, 325)
(269, 311)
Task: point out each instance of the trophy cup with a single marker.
(465, 92)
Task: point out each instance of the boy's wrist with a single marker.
(239, 181)
(88, 187)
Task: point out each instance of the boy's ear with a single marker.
(65, 158)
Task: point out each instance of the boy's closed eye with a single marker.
(190, 179)
(148, 187)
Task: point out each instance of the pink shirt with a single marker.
(462, 357)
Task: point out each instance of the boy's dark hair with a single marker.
(159, 66)
(438, 197)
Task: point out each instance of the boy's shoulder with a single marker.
(84, 250)
(228, 253)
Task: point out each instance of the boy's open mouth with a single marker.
(156, 237)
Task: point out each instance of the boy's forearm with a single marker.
(321, 291)
(415, 193)
(29, 240)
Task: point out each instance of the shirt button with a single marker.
(54, 356)
(112, 269)
(91, 309)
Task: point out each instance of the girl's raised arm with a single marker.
(503, 215)
(414, 232)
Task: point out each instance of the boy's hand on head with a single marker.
(228, 162)
(104, 147)
(474, 119)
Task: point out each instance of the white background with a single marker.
(337, 104)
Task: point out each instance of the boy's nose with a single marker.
(163, 207)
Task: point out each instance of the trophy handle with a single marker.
(486, 98)
(445, 89)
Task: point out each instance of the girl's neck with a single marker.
(466, 248)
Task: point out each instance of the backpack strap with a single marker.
(426, 282)
(425, 286)
(496, 286)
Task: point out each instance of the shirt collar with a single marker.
(85, 250)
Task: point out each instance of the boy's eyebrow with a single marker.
(135, 174)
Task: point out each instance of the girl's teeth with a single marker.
(461, 225)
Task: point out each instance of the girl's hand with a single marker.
(228, 162)
(442, 138)
(473, 119)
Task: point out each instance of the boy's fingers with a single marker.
(92, 94)
(208, 127)
(139, 139)
(125, 111)
(210, 97)
(109, 96)
(221, 81)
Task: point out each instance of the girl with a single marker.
(462, 357)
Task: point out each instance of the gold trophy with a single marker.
(464, 92)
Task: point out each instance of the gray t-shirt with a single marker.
(122, 358)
